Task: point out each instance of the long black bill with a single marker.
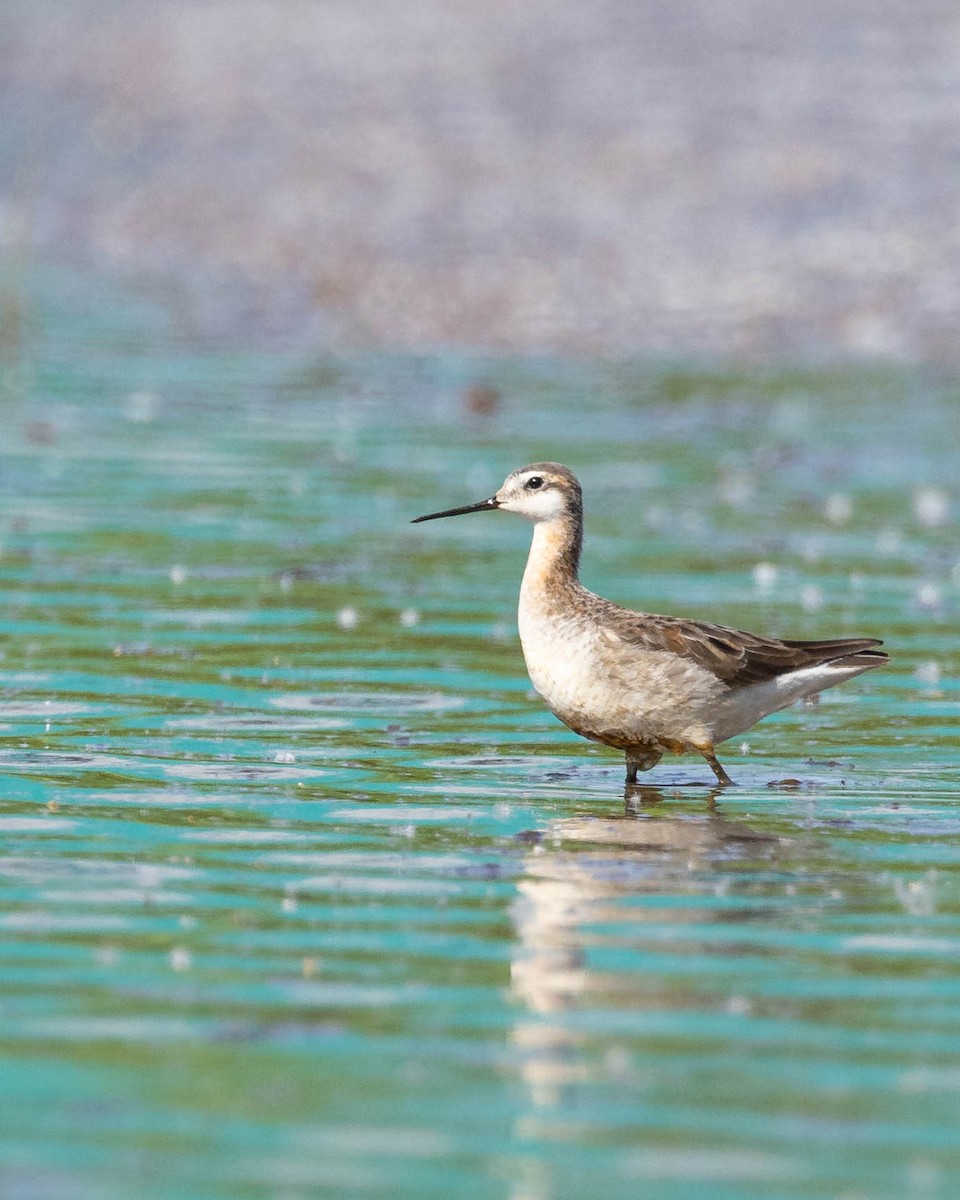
(483, 506)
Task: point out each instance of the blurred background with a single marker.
(711, 177)
(304, 895)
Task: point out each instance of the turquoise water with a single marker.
(302, 891)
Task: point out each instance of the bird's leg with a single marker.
(722, 777)
(641, 759)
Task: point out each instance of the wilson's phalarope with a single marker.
(636, 681)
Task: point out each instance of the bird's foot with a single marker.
(641, 760)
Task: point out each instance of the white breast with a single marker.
(615, 692)
(599, 684)
(561, 659)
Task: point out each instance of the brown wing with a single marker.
(737, 658)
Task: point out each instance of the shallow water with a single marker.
(303, 893)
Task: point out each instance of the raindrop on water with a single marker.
(927, 674)
(180, 958)
(348, 618)
(811, 598)
(918, 896)
(928, 596)
(931, 506)
(839, 508)
(764, 576)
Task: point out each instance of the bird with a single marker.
(640, 682)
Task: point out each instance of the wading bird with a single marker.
(639, 682)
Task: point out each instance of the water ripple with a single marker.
(304, 893)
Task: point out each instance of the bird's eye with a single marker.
(534, 483)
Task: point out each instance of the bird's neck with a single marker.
(554, 559)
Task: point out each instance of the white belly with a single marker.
(612, 691)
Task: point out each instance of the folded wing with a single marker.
(737, 658)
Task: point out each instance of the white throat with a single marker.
(549, 561)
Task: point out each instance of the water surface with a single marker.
(303, 893)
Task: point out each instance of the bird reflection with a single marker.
(637, 796)
(576, 909)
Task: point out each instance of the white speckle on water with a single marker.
(180, 958)
(894, 943)
(811, 598)
(838, 508)
(918, 896)
(289, 903)
(928, 596)
(744, 747)
(348, 617)
(764, 576)
(148, 876)
(927, 674)
(931, 506)
(284, 756)
(618, 1062)
(178, 574)
(409, 617)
